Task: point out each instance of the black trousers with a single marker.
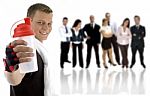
(141, 51)
(89, 51)
(124, 53)
(74, 57)
(65, 46)
(115, 48)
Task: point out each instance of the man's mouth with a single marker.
(44, 33)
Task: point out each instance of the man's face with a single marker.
(65, 21)
(108, 16)
(41, 25)
(137, 20)
(92, 19)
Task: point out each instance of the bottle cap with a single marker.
(23, 29)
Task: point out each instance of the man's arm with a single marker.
(14, 78)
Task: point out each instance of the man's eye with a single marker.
(50, 24)
(41, 23)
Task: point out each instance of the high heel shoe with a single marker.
(105, 66)
(113, 64)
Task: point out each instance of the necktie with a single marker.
(92, 25)
(66, 29)
(67, 32)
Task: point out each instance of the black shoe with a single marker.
(86, 67)
(62, 67)
(68, 61)
(119, 63)
(131, 66)
(143, 65)
(99, 66)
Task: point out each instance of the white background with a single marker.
(14, 10)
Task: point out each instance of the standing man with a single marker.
(93, 40)
(32, 83)
(113, 26)
(137, 44)
(65, 33)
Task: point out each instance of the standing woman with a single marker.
(106, 41)
(77, 39)
(123, 37)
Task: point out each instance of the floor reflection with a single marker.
(106, 82)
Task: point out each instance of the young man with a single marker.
(93, 40)
(137, 44)
(33, 83)
(65, 34)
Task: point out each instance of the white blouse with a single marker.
(123, 36)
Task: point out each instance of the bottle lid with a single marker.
(23, 29)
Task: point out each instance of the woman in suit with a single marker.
(106, 41)
(123, 37)
(77, 39)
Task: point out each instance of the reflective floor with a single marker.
(102, 82)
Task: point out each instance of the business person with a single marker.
(93, 40)
(77, 39)
(65, 34)
(106, 42)
(113, 26)
(137, 44)
(33, 83)
(123, 37)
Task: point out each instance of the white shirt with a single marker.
(63, 34)
(93, 24)
(76, 33)
(123, 36)
(113, 26)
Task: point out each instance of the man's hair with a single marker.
(38, 7)
(106, 13)
(136, 16)
(65, 18)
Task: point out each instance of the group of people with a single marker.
(113, 38)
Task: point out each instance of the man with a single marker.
(65, 33)
(33, 83)
(114, 38)
(93, 40)
(137, 44)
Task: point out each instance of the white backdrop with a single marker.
(13, 10)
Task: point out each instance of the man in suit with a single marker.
(137, 43)
(93, 40)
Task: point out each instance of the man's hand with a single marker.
(23, 52)
(88, 37)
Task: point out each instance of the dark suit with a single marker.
(94, 34)
(78, 38)
(137, 43)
